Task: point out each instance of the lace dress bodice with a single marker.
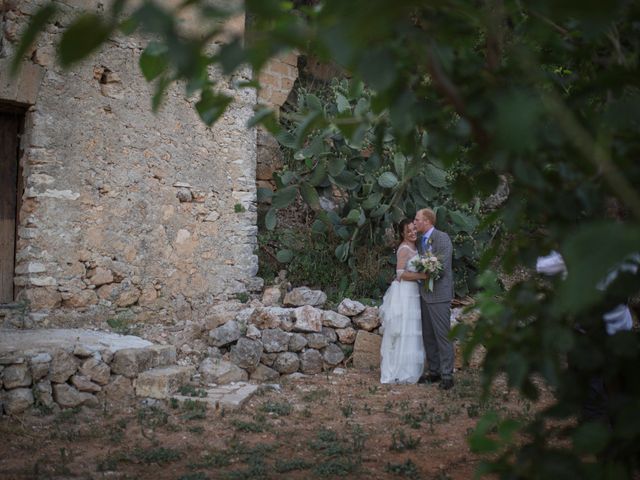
(405, 256)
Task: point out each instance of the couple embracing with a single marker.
(416, 308)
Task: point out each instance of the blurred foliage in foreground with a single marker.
(543, 92)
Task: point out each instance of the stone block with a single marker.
(221, 372)
(367, 320)
(63, 365)
(15, 376)
(308, 319)
(335, 319)
(161, 382)
(366, 351)
(118, 394)
(96, 370)
(301, 296)
(350, 307)
(131, 361)
(17, 400)
(68, 397)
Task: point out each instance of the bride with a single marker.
(402, 349)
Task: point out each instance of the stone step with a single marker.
(132, 361)
(161, 382)
(223, 397)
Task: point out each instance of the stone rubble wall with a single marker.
(264, 341)
(125, 213)
(57, 378)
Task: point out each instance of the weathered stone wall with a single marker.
(126, 213)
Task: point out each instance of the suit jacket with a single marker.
(442, 247)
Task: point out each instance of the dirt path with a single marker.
(326, 426)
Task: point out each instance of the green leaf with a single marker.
(310, 195)
(270, 219)
(587, 266)
(39, 19)
(591, 437)
(381, 210)
(319, 174)
(336, 166)
(314, 102)
(387, 180)
(462, 222)
(284, 197)
(284, 256)
(342, 103)
(353, 216)
(85, 34)
(286, 177)
(372, 201)
(154, 60)
(362, 107)
(346, 179)
(436, 176)
(319, 226)
(378, 68)
(231, 56)
(264, 194)
(342, 251)
(399, 163)
(212, 105)
(517, 368)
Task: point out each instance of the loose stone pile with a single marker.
(264, 342)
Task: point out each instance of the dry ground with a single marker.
(326, 426)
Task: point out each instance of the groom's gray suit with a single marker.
(436, 307)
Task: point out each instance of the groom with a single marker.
(436, 306)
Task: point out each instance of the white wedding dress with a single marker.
(402, 349)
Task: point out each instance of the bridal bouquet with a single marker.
(431, 265)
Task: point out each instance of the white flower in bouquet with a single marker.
(431, 265)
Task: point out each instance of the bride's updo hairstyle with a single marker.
(401, 225)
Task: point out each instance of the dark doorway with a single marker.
(11, 124)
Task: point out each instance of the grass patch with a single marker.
(316, 395)
(193, 410)
(159, 455)
(400, 441)
(284, 466)
(191, 391)
(406, 469)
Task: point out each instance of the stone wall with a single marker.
(125, 213)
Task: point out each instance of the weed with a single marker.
(388, 406)
(473, 410)
(337, 466)
(284, 466)
(213, 460)
(401, 442)
(191, 391)
(243, 426)
(373, 390)
(152, 417)
(315, 395)
(306, 413)
(174, 403)
(347, 410)
(193, 410)
(406, 469)
(239, 208)
(158, 455)
(367, 409)
(243, 297)
(279, 409)
(404, 405)
(110, 462)
(197, 429)
(358, 437)
(413, 420)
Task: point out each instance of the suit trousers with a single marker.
(436, 324)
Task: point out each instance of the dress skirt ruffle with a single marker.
(402, 349)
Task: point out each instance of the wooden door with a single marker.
(9, 129)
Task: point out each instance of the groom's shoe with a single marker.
(430, 378)
(446, 384)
